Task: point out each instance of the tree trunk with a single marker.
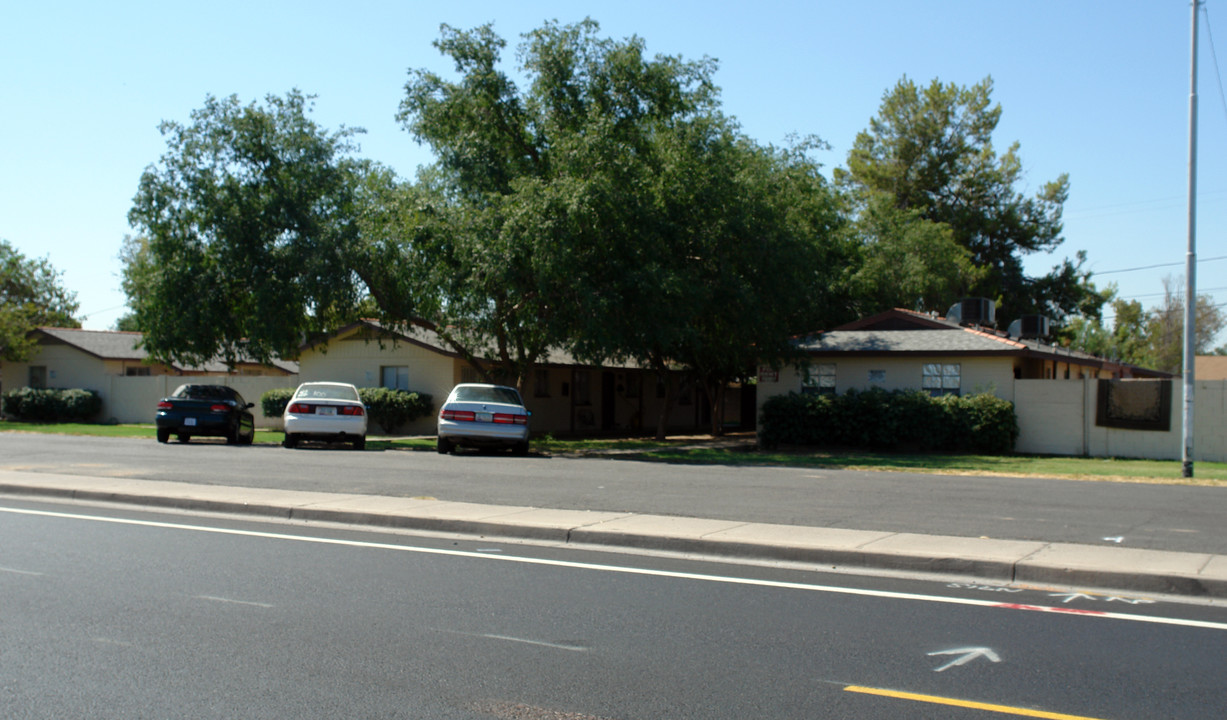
(715, 397)
(662, 422)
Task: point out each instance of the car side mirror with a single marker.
(250, 405)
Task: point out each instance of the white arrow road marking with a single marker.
(1070, 597)
(966, 655)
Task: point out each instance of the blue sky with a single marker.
(1095, 89)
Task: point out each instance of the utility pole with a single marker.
(1190, 263)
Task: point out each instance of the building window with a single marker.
(877, 377)
(541, 383)
(38, 376)
(941, 378)
(582, 395)
(394, 377)
(685, 394)
(634, 385)
(137, 371)
(820, 381)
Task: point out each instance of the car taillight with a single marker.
(352, 410)
(164, 405)
(509, 419)
(459, 415)
(220, 408)
(301, 409)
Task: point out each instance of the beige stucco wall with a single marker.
(1059, 418)
(135, 399)
(69, 368)
(359, 362)
(1053, 416)
(977, 375)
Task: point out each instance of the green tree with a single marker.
(248, 226)
(752, 231)
(1152, 339)
(930, 149)
(31, 296)
(538, 208)
(609, 209)
(905, 260)
(1163, 348)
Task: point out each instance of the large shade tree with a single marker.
(248, 233)
(609, 208)
(31, 295)
(930, 152)
(538, 213)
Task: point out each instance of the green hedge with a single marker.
(390, 409)
(51, 405)
(273, 402)
(900, 420)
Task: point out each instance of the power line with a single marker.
(1152, 267)
(1214, 56)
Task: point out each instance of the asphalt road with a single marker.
(1161, 517)
(123, 613)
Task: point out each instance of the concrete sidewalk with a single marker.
(1114, 568)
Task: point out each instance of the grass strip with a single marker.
(705, 451)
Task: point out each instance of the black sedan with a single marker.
(212, 410)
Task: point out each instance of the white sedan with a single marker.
(328, 411)
(480, 415)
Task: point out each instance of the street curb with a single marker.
(996, 560)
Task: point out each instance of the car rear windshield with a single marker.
(326, 392)
(204, 392)
(488, 395)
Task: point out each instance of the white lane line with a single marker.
(109, 641)
(861, 592)
(19, 572)
(234, 602)
(526, 641)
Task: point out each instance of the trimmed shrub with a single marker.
(79, 405)
(879, 420)
(391, 409)
(51, 405)
(273, 402)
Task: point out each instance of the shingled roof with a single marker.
(911, 333)
(116, 345)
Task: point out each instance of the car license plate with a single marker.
(485, 417)
(326, 410)
(190, 422)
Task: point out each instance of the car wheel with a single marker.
(163, 435)
(232, 436)
(520, 448)
(184, 438)
(360, 443)
(444, 446)
(290, 441)
(249, 438)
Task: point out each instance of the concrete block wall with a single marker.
(1057, 417)
(135, 399)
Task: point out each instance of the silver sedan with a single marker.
(483, 416)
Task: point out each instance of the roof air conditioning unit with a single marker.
(1031, 327)
(974, 311)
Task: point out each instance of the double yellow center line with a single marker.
(935, 700)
